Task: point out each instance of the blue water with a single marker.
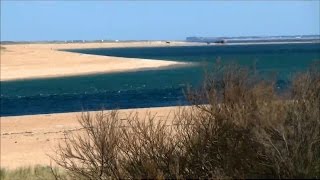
(149, 88)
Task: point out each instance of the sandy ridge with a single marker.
(25, 61)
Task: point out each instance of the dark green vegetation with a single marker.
(244, 130)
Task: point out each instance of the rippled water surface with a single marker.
(149, 88)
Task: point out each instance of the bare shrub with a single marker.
(93, 152)
(293, 144)
(236, 127)
(149, 148)
(219, 136)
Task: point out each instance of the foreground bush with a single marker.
(236, 127)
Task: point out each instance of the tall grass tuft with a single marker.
(32, 173)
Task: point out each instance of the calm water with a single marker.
(150, 88)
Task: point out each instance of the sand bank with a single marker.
(28, 140)
(25, 61)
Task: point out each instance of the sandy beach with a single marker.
(28, 61)
(28, 140)
(25, 61)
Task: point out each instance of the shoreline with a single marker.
(32, 61)
(39, 61)
(27, 140)
(163, 67)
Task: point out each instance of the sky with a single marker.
(155, 20)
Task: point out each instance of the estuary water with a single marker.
(149, 88)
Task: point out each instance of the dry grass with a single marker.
(32, 173)
(236, 128)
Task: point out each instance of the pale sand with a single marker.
(25, 61)
(28, 140)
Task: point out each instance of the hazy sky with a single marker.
(135, 20)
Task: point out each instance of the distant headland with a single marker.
(255, 39)
(208, 40)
